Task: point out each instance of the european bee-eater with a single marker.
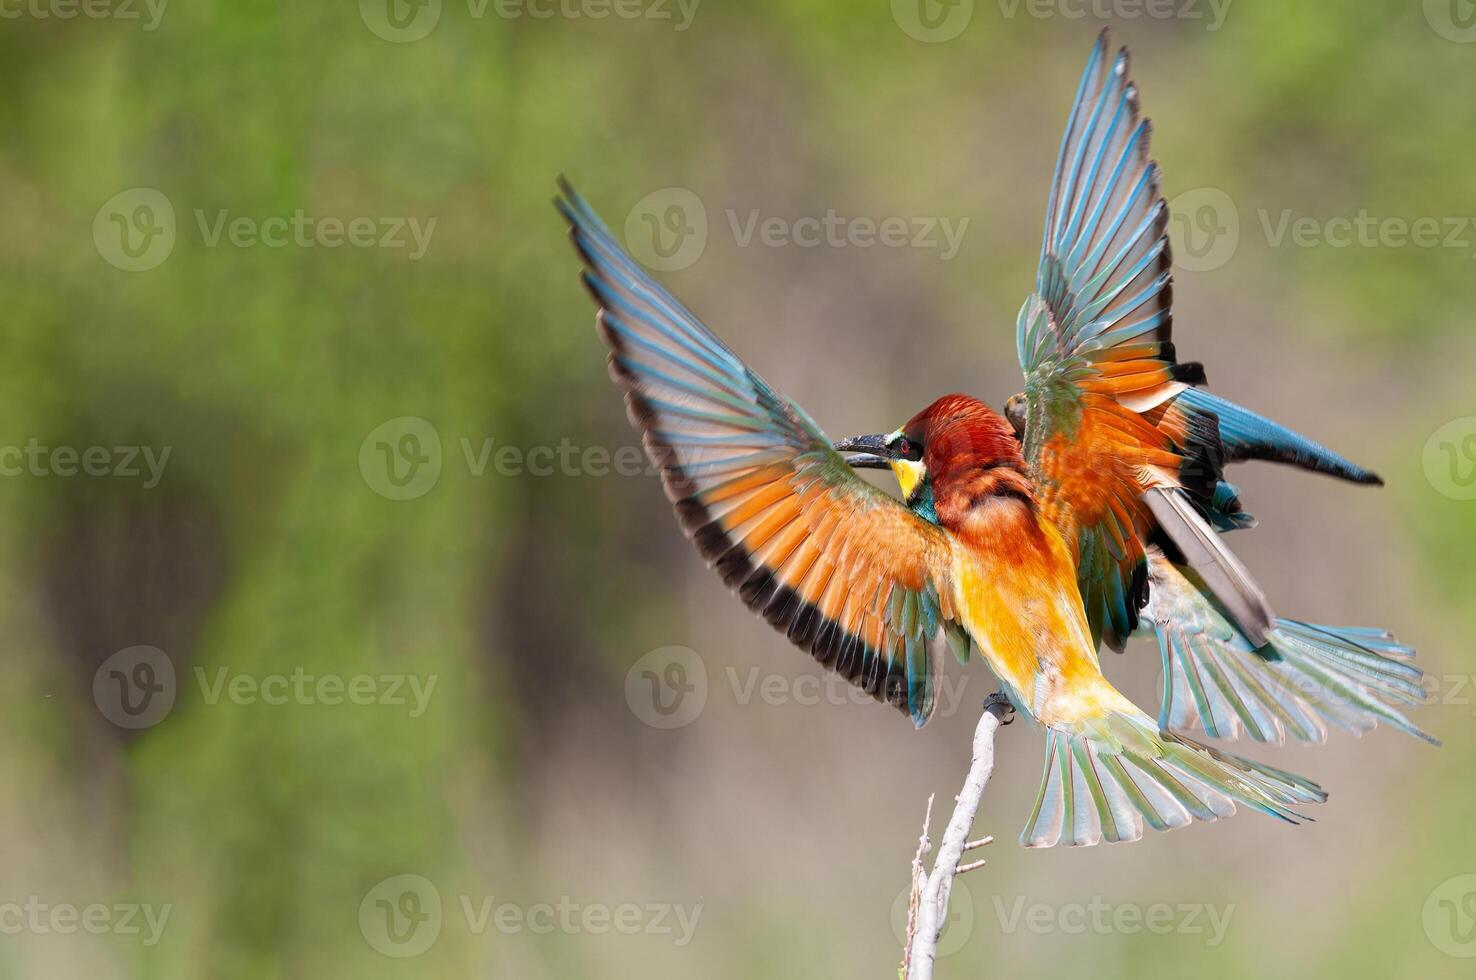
(875, 592)
(1032, 535)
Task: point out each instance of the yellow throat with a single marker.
(909, 474)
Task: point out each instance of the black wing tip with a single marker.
(572, 205)
(567, 191)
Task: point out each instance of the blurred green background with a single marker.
(277, 373)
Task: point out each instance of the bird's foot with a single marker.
(999, 702)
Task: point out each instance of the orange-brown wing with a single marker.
(845, 571)
(1094, 344)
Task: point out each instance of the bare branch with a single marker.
(932, 906)
(919, 875)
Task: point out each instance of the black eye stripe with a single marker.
(906, 449)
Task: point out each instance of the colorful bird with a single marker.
(875, 592)
(1031, 541)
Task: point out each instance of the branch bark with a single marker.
(932, 893)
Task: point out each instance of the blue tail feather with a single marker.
(1246, 435)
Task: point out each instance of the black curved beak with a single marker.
(871, 452)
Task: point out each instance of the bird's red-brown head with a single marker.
(959, 433)
(951, 457)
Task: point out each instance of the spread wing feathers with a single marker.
(1303, 679)
(1094, 343)
(1106, 778)
(844, 570)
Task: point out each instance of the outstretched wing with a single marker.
(844, 570)
(1094, 343)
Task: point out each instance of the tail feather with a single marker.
(1303, 679)
(1246, 435)
(1107, 778)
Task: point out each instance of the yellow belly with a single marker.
(1015, 587)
